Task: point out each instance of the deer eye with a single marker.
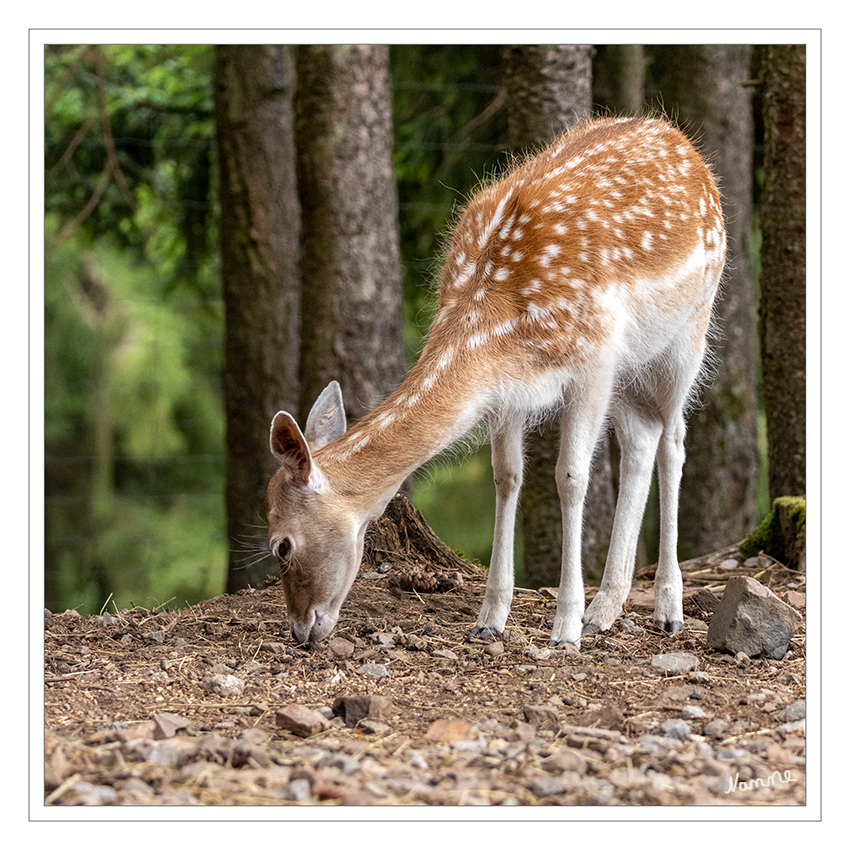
(283, 550)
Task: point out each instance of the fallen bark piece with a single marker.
(301, 721)
(753, 620)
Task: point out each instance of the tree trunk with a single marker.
(259, 249)
(350, 264)
(701, 88)
(782, 311)
(619, 77)
(549, 89)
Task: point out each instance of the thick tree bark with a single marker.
(259, 249)
(549, 89)
(350, 264)
(782, 311)
(701, 89)
(619, 78)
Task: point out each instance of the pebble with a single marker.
(376, 671)
(444, 653)
(795, 711)
(301, 720)
(675, 663)
(693, 712)
(223, 685)
(675, 728)
(716, 728)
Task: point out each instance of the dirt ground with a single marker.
(138, 709)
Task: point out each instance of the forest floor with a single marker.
(213, 704)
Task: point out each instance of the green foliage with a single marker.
(134, 433)
(449, 134)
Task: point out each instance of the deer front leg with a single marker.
(506, 444)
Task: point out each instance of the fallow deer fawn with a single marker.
(582, 282)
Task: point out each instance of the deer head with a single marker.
(315, 537)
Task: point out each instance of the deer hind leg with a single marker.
(638, 427)
(506, 441)
(582, 419)
(687, 362)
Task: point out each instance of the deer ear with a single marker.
(290, 448)
(326, 421)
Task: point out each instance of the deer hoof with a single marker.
(485, 633)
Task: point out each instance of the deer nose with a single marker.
(309, 628)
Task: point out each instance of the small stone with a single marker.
(354, 709)
(629, 626)
(86, 794)
(549, 786)
(444, 653)
(675, 728)
(564, 760)
(537, 653)
(693, 712)
(340, 647)
(729, 564)
(376, 671)
(157, 636)
(541, 715)
(675, 663)
(793, 712)
(167, 724)
(496, 648)
(374, 727)
(699, 677)
(716, 728)
(300, 791)
(602, 717)
(445, 731)
(300, 720)
(795, 598)
(792, 729)
(223, 685)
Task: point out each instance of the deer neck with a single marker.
(441, 400)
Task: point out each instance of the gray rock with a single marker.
(675, 663)
(675, 728)
(716, 728)
(356, 708)
(547, 786)
(795, 711)
(376, 671)
(223, 685)
(753, 620)
(693, 712)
